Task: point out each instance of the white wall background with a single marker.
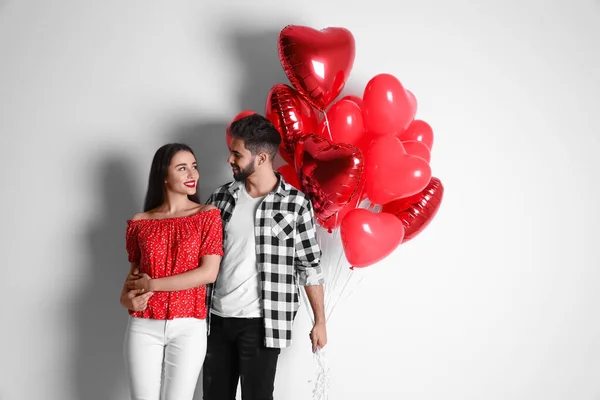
(498, 299)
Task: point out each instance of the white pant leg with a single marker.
(144, 355)
(184, 356)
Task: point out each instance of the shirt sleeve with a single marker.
(308, 251)
(211, 200)
(131, 242)
(212, 240)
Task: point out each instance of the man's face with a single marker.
(242, 161)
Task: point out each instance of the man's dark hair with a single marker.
(258, 134)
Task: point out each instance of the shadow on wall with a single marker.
(257, 53)
(100, 319)
(99, 371)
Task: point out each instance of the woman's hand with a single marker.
(136, 302)
(142, 284)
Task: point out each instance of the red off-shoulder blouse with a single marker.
(170, 246)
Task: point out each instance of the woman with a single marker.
(165, 343)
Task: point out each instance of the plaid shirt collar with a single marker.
(282, 189)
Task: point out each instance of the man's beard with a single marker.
(242, 174)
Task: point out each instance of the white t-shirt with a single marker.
(237, 290)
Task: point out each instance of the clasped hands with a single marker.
(138, 291)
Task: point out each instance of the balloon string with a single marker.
(350, 291)
(359, 197)
(328, 278)
(322, 372)
(320, 364)
(340, 295)
(333, 280)
(356, 285)
(338, 267)
(336, 233)
(337, 214)
(327, 125)
(336, 277)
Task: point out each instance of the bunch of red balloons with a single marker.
(342, 152)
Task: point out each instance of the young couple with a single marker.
(252, 245)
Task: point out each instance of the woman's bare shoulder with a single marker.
(208, 207)
(142, 216)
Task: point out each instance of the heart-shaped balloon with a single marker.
(391, 173)
(387, 107)
(418, 149)
(413, 103)
(239, 115)
(416, 212)
(329, 173)
(289, 175)
(292, 117)
(336, 220)
(418, 130)
(354, 98)
(368, 238)
(344, 122)
(317, 62)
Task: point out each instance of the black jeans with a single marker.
(236, 350)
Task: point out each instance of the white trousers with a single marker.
(164, 358)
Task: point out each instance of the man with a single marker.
(270, 249)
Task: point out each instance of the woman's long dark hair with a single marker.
(155, 195)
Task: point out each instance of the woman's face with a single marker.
(182, 175)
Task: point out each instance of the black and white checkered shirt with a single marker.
(287, 253)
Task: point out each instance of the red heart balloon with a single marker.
(416, 212)
(387, 108)
(413, 103)
(239, 115)
(329, 173)
(368, 238)
(391, 173)
(336, 220)
(345, 123)
(418, 130)
(353, 98)
(289, 175)
(292, 117)
(317, 62)
(418, 149)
